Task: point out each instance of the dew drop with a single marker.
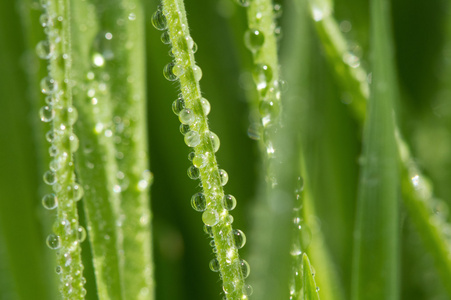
(228, 287)
(73, 142)
(77, 191)
(53, 150)
(49, 201)
(58, 270)
(189, 42)
(239, 237)
(192, 139)
(81, 234)
(215, 142)
(165, 38)
(49, 177)
(214, 265)
(132, 16)
(197, 71)
(193, 172)
(277, 10)
(198, 202)
(46, 113)
(191, 156)
(178, 70)
(53, 241)
(210, 217)
(168, 72)
(208, 230)
(205, 106)
(243, 3)
(199, 161)
(184, 129)
(55, 165)
(194, 47)
(186, 116)
(48, 85)
(224, 177)
(43, 50)
(254, 131)
(159, 20)
(70, 114)
(50, 136)
(278, 32)
(269, 109)
(229, 202)
(44, 20)
(98, 60)
(262, 76)
(245, 268)
(254, 39)
(247, 290)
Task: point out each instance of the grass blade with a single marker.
(310, 288)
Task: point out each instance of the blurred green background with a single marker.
(331, 142)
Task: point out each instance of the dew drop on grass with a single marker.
(208, 230)
(159, 20)
(192, 139)
(194, 47)
(210, 217)
(76, 191)
(205, 106)
(228, 287)
(229, 202)
(178, 70)
(254, 39)
(254, 131)
(224, 177)
(269, 108)
(262, 76)
(277, 10)
(215, 142)
(193, 172)
(44, 20)
(98, 60)
(53, 150)
(50, 136)
(214, 265)
(58, 270)
(199, 161)
(245, 268)
(55, 165)
(49, 177)
(53, 241)
(243, 3)
(247, 290)
(43, 50)
(198, 202)
(73, 142)
(81, 234)
(165, 38)
(197, 71)
(168, 72)
(48, 85)
(239, 237)
(70, 114)
(46, 113)
(189, 42)
(49, 201)
(184, 129)
(186, 116)
(191, 156)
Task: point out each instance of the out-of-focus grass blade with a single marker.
(376, 248)
(310, 288)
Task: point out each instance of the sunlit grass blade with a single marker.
(376, 257)
(310, 288)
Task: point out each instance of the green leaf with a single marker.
(310, 288)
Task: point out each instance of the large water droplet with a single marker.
(53, 241)
(44, 50)
(81, 234)
(184, 129)
(168, 72)
(46, 113)
(247, 290)
(70, 114)
(165, 38)
(192, 139)
(210, 217)
(49, 177)
(73, 142)
(159, 20)
(254, 39)
(198, 202)
(229, 202)
(197, 71)
(214, 265)
(48, 85)
(186, 116)
(215, 142)
(49, 201)
(193, 172)
(262, 76)
(205, 106)
(245, 268)
(199, 161)
(269, 109)
(239, 238)
(224, 177)
(229, 287)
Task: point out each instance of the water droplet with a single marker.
(184, 129)
(199, 161)
(198, 202)
(73, 142)
(45, 20)
(247, 290)
(191, 156)
(192, 139)
(77, 191)
(229, 202)
(159, 20)
(243, 3)
(50, 136)
(194, 47)
(205, 106)
(193, 172)
(228, 287)
(254, 131)
(224, 177)
(58, 270)
(178, 105)
(44, 50)
(168, 72)
(254, 39)
(215, 142)
(70, 114)
(197, 71)
(165, 38)
(49, 177)
(278, 33)
(210, 217)
(48, 85)
(214, 265)
(239, 238)
(49, 201)
(53, 241)
(277, 10)
(98, 60)
(186, 116)
(262, 76)
(81, 234)
(189, 42)
(46, 113)
(208, 230)
(245, 268)
(178, 70)
(53, 150)
(269, 109)
(132, 16)
(317, 289)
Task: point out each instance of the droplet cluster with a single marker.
(192, 110)
(60, 116)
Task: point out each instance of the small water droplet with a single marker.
(46, 113)
(70, 114)
(193, 172)
(165, 38)
(229, 202)
(81, 234)
(208, 230)
(132, 16)
(189, 42)
(49, 201)
(215, 142)
(245, 268)
(194, 47)
(58, 270)
(210, 217)
(262, 76)
(214, 265)
(239, 238)
(191, 156)
(199, 161)
(277, 10)
(44, 50)
(159, 20)
(73, 142)
(229, 287)
(205, 106)
(184, 129)
(48, 85)
(98, 60)
(45, 20)
(197, 71)
(168, 72)
(49, 177)
(269, 108)
(53, 241)
(243, 3)
(76, 191)
(186, 116)
(53, 150)
(178, 70)
(247, 290)
(50, 136)
(254, 39)
(254, 131)
(192, 139)
(224, 177)
(198, 202)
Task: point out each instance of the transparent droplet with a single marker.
(194, 47)
(132, 16)
(159, 20)
(245, 268)
(43, 50)
(210, 217)
(165, 38)
(278, 32)
(254, 131)
(262, 76)
(269, 108)
(198, 202)
(243, 3)
(53, 150)
(186, 116)
(184, 129)
(58, 270)
(50, 136)
(77, 191)
(193, 172)
(254, 39)
(70, 114)
(73, 142)
(214, 265)
(229, 202)
(189, 42)
(229, 287)
(53, 241)
(191, 156)
(306, 235)
(192, 139)
(224, 177)
(46, 113)
(44, 20)
(49, 201)
(81, 234)
(199, 161)
(197, 71)
(277, 10)
(49, 177)
(239, 238)
(98, 60)
(48, 85)
(247, 290)
(208, 230)
(168, 72)
(178, 70)
(215, 142)
(205, 106)
(178, 105)
(55, 165)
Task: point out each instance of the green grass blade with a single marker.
(376, 249)
(310, 288)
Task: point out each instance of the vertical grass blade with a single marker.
(310, 288)
(376, 249)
